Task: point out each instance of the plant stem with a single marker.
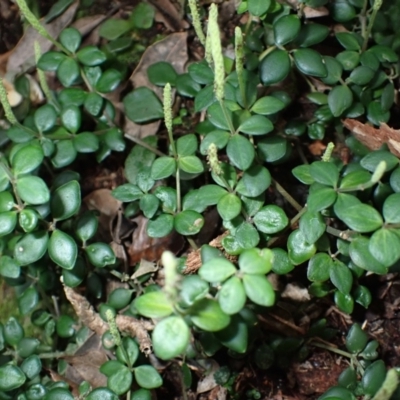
(287, 196)
(227, 118)
(266, 52)
(377, 5)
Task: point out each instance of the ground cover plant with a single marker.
(266, 194)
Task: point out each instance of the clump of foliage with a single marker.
(347, 227)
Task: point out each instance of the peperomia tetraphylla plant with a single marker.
(252, 125)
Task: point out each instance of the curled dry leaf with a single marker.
(172, 49)
(85, 363)
(91, 319)
(374, 138)
(169, 15)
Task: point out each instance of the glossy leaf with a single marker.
(229, 206)
(31, 247)
(147, 377)
(259, 289)
(240, 152)
(28, 301)
(362, 257)
(160, 226)
(66, 201)
(217, 270)
(384, 246)
(188, 222)
(274, 67)
(11, 377)
(286, 29)
(298, 249)
(163, 167)
(254, 182)
(27, 159)
(142, 105)
(340, 98)
(341, 276)
(312, 226)
(362, 218)
(231, 296)
(207, 315)
(319, 267)
(256, 261)
(100, 254)
(62, 249)
(309, 62)
(154, 305)
(120, 382)
(170, 337)
(68, 72)
(271, 219)
(391, 209)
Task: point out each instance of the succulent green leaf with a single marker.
(271, 219)
(9, 268)
(91, 56)
(66, 201)
(362, 257)
(256, 125)
(8, 221)
(100, 254)
(62, 249)
(231, 296)
(319, 267)
(309, 62)
(274, 67)
(312, 226)
(341, 276)
(160, 226)
(362, 218)
(384, 245)
(258, 8)
(256, 261)
(240, 152)
(207, 315)
(154, 305)
(31, 247)
(68, 72)
(286, 29)
(170, 337)
(11, 377)
(28, 300)
(27, 159)
(217, 270)
(120, 382)
(71, 39)
(340, 98)
(229, 206)
(163, 167)
(259, 289)
(299, 249)
(142, 105)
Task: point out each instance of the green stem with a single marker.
(345, 235)
(375, 9)
(363, 19)
(287, 196)
(178, 189)
(140, 142)
(227, 118)
(266, 52)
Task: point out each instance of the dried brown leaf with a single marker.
(374, 138)
(22, 57)
(169, 15)
(85, 364)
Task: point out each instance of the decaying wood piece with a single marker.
(93, 321)
(374, 138)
